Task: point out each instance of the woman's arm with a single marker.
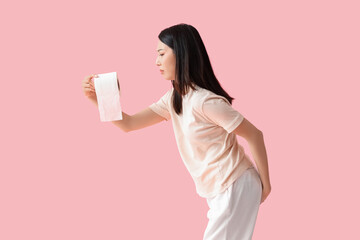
(255, 139)
(142, 119)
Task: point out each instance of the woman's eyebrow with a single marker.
(160, 49)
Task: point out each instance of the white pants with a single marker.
(232, 214)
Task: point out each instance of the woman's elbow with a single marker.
(127, 129)
(122, 125)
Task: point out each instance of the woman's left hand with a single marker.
(265, 193)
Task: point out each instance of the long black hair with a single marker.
(192, 63)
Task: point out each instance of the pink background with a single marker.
(292, 67)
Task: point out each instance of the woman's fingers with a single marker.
(88, 85)
(265, 194)
(88, 78)
(91, 83)
(89, 92)
(91, 79)
(88, 88)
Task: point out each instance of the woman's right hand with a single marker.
(88, 86)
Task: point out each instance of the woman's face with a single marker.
(166, 61)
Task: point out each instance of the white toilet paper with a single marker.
(108, 96)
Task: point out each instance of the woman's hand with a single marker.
(265, 193)
(89, 88)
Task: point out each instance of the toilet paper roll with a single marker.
(107, 90)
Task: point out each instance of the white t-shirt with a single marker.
(203, 133)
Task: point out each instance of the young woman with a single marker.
(205, 127)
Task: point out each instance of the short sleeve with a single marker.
(161, 107)
(219, 111)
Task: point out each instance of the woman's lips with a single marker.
(161, 71)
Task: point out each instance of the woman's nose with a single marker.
(157, 61)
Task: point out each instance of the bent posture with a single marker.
(205, 126)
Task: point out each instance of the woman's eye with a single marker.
(161, 54)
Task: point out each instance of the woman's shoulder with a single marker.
(204, 97)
